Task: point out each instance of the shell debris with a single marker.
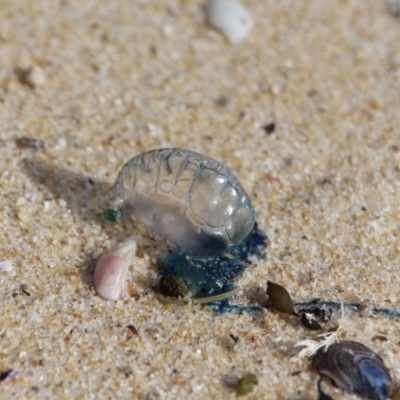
(112, 268)
(229, 17)
(6, 266)
(34, 76)
(355, 368)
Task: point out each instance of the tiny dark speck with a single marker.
(133, 329)
(24, 289)
(234, 338)
(382, 338)
(30, 143)
(9, 373)
(222, 101)
(269, 128)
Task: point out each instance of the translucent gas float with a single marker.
(190, 199)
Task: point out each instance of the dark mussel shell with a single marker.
(354, 368)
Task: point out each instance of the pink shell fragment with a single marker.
(112, 268)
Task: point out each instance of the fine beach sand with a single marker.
(124, 77)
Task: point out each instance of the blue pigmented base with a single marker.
(216, 275)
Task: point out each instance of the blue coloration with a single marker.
(354, 306)
(355, 368)
(191, 200)
(331, 304)
(254, 244)
(386, 311)
(373, 378)
(216, 275)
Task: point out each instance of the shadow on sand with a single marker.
(85, 197)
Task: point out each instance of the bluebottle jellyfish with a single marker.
(199, 206)
(190, 199)
(355, 368)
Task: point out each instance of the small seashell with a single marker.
(173, 285)
(34, 316)
(34, 76)
(6, 266)
(112, 270)
(280, 299)
(189, 199)
(230, 18)
(354, 368)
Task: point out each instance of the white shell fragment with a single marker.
(33, 316)
(6, 266)
(230, 18)
(34, 76)
(112, 270)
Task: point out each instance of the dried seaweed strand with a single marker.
(203, 300)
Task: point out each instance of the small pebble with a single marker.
(34, 316)
(222, 101)
(230, 18)
(34, 76)
(6, 266)
(269, 128)
(133, 329)
(246, 384)
(393, 7)
(173, 285)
